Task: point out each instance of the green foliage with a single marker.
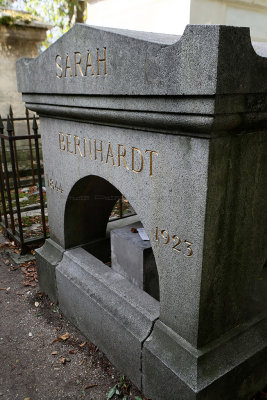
(56, 309)
(121, 390)
(54, 12)
(5, 3)
(7, 20)
(61, 14)
(118, 389)
(11, 19)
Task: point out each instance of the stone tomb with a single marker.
(178, 126)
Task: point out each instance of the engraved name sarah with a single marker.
(80, 64)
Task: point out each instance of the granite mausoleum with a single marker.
(178, 125)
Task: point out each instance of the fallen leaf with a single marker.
(73, 351)
(90, 386)
(12, 268)
(82, 344)
(64, 337)
(134, 230)
(54, 353)
(27, 398)
(63, 360)
(61, 337)
(3, 288)
(4, 244)
(6, 261)
(36, 304)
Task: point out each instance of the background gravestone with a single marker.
(178, 126)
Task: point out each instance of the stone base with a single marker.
(114, 314)
(233, 368)
(122, 320)
(47, 258)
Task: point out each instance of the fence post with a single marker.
(35, 130)
(2, 181)
(30, 144)
(12, 158)
(14, 145)
(10, 209)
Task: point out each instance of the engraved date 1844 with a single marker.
(54, 185)
(177, 244)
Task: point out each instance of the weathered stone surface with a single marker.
(99, 300)
(47, 258)
(178, 126)
(145, 63)
(185, 372)
(188, 70)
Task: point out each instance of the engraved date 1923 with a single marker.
(177, 244)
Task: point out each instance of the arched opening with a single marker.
(93, 222)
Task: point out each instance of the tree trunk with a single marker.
(81, 11)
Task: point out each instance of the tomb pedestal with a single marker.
(133, 258)
(178, 126)
(47, 259)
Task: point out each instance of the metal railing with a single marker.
(11, 218)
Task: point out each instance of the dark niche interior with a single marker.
(123, 250)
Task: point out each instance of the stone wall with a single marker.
(252, 13)
(16, 41)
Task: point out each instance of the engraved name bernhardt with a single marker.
(76, 64)
(118, 155)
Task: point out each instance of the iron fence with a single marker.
(11, 182)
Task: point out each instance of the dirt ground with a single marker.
(35, 364)
(42, 355)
